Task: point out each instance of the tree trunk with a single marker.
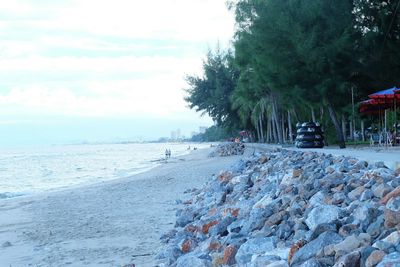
(258, 131)
(296, 115)
(290, 127)
(344, 127)
(362, 131)
(351, 131)
(261, 128)
(283, 128)
(277, 120)
(321, 113)
(312, 115)
(274, 131)
(335, 122)
(268, 131)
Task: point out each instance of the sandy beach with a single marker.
(109, 224)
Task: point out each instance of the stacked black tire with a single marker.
(309, 135)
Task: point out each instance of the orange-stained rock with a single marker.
(214, 246)
(294, 248)
(225, 212)
(338, 188)
(230, 211)
(229, 255)
(374, 258)
(263, 159)
(392, 218)
(212, 211)
(394, 193)
(207, 226)
(218, 260)
(187, 246)
(297, 173)
(191, 228)
(235, 212)
(225, 176)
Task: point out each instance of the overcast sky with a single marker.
(97, 70)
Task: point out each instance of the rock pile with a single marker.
(228, 149)
(290, 208)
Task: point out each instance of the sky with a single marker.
(102, 70)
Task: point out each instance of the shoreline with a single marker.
(153, 163)
(110, 223)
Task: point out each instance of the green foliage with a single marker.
(211, 93)
(294, 55)
(212, 134)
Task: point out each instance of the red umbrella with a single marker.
(373, 106)
(389, 98)
(387, 95)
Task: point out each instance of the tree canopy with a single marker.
(293, 56)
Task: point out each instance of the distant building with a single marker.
(173, 135)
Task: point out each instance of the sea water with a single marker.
(36, 169)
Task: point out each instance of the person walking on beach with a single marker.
(167, 153)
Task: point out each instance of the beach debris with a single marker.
(228, 149)
(6, 244)
(290, 208)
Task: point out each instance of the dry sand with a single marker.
(109, 224)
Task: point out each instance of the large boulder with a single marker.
(391, 260)
(311, 249)
(193, 261)
(258, 245)
(322, 214)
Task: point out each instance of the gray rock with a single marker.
(184, 217)
(381, 190)
(365, 253)
(365, 215)
(391, 260)
(235, 226)
(380, 164)
(324, 227)
(284, 231)
(257, 245)
(349, 244)
(322, 214)
(221, 228)
(280, 263)
(375, 228)
(311, 263)
(193, 261)
(393, 238)
(394, 204)
(311, 249)
(282, 253)
(367, 195)
(356, 193)
(382, 245)
(374, 258)
(349, 260)
(263, 260)
(317, 199)
(256, 220)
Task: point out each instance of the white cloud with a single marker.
(161, 98)
(39, 39)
